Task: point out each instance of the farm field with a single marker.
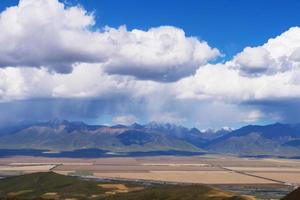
(205, 177)
(275, 177)
(288, 177)
(208, 169)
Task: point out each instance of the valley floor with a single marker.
(266, 178)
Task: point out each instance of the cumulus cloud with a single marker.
(160, 74)
(86, 81)
(295, 56)
(214, 96)
(255, 61)
(46, 33)
(40, 33)
(279, 54)
(261, 76)
(220, 82)
(267, 72)
(162, 54)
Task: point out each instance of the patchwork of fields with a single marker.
(198, 169)
(269, 174)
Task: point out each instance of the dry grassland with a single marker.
(194, 169)
(119, 188)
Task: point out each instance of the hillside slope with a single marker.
(270, 140)
(39, 184)
(49, 185)
(295, 195)
(65, 135)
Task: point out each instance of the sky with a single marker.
(205, 64)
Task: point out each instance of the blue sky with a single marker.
(222, 62)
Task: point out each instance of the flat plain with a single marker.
(208, 169)
(263, 178)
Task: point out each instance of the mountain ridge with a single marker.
(253, 140)
(63, 134)
(272, 139)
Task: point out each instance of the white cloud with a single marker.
(219, 83)
(46, 33)
(125, 119)
(261, 73)
(163, 53)
(253, 116)
(86, 81)
(279, 54)
(255, 61)
(161, 69)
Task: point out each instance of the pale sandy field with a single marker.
(206, 177)
(27, 168)
(135, 168)
(289, 177)
(265, 169)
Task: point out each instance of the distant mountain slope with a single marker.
(270, 140)
(48, 185)
(65, 135)
(274, 139)
(192, 136)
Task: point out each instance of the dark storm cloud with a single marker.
(47, 109)
(282, 110)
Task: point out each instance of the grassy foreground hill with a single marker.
(295, 195)
(49, 185)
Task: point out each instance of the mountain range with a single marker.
(253, 140)
(65, 135)
(274, 139)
